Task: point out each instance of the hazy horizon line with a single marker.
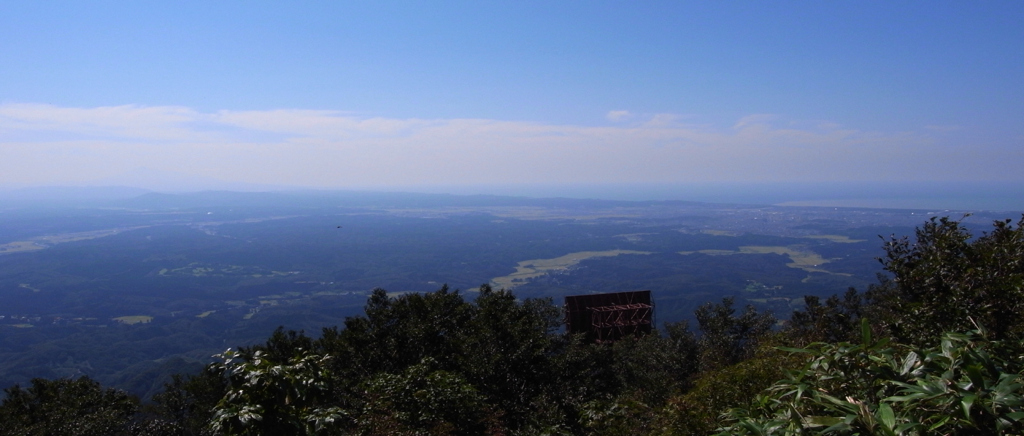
(940, 195)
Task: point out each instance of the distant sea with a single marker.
(931, 196)
(958, 196)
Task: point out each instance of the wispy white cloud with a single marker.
(121, 122)
(617, 116)
(333, 149)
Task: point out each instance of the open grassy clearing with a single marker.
(795, 303)
(41, 242)
(634, 237)
(836, 238)
(711, 252)
(801, 257)
(134, 319)
(81, 236)
(720, 232)
(196, 269)
(529, 269)
(19, 247)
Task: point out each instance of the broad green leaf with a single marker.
(975, 375)
(909, 362)
(886, 416)
(751, 427)
(865, 331)
(821, 421)
(1016, 416)
(966, 404)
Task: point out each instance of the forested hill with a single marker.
(932, 348)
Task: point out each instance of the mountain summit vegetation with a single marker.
(934, 348)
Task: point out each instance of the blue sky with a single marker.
(426, 94)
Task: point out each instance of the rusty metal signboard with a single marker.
(608, 317)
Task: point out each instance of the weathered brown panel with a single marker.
(607, 317)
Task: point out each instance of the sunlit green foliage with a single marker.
(435, 363)
(270, 396)
(421, 399)
(925, 381)
(837, 320)
(966, 385)
(947, 280)
(699, 410)
(508, 352)
(726, 338)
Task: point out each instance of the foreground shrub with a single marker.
(699, 411)
(967, 385)
(66, 407)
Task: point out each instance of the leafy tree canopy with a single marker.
(79, 407)
(947, 280)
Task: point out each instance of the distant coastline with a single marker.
(934, 195)
(949, 204)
